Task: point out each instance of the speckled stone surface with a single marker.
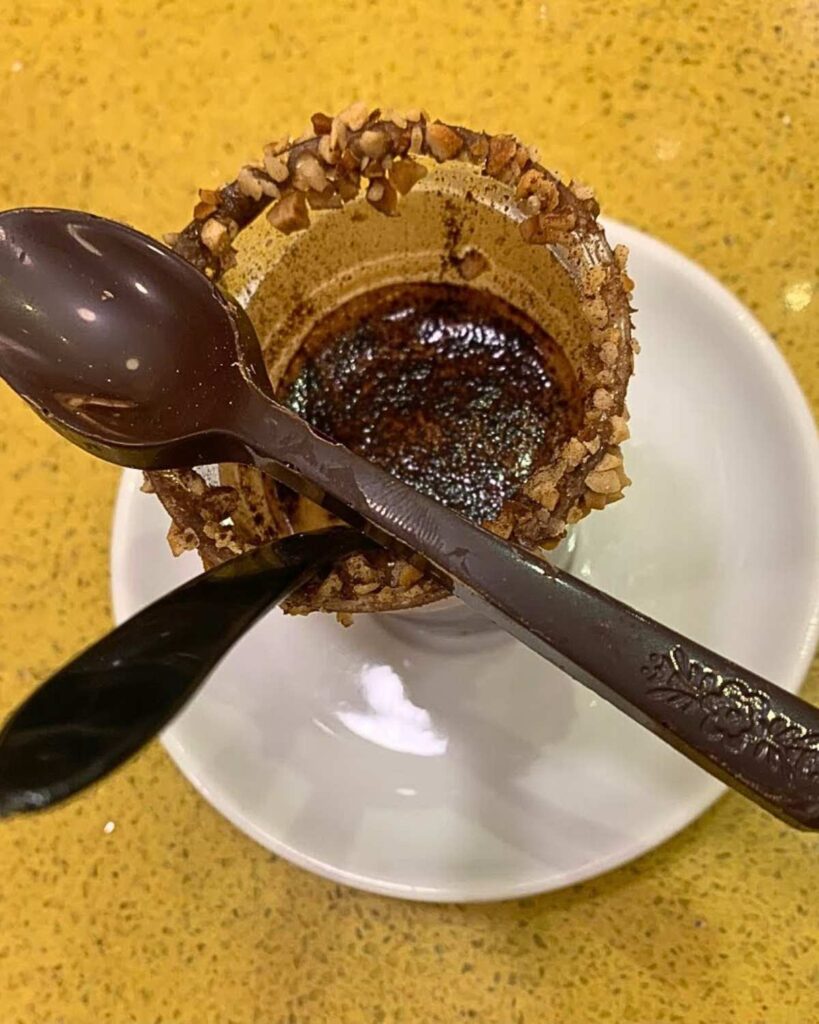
(138, 903)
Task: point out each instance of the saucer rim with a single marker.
(805, 439)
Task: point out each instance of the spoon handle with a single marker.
(103, 706)
(751, 734)
(748, 732)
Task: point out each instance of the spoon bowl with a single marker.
(119, 342)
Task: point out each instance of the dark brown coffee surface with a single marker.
(451, 389)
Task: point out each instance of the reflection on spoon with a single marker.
(391, 719)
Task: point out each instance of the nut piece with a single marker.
(321, 124)
(309, 174)
(416, 140)
(374, 168)
(404, 575)
(506, 159)
(203, 210)
(608, 353)
(275, 165)
(542, 487)
(404, 174)
(544, 494)
(359, 569)
(596, 501)
(290, 214)
(372, 144)
(181, 540)
(604, 481)
(338, 135)
(534, 183)
(479, 148)
(503, 525)
(611, 460)
(208, 204)
(249, 184)
(383, 197)
(442, 142)
(362, 589)
(347, 177)
(223, 537)
(396, 117)
(326, 151)
(215, 236)
(583, 192)
(619, 430)
(355, 116)
(574, 452)
(502, 150)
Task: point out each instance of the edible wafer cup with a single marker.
(373, 198)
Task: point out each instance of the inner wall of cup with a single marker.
(287, 283)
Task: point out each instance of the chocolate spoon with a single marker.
(136, 357)
(109, 701)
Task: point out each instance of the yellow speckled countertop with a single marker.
(697, 122)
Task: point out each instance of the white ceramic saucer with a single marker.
(479, 772)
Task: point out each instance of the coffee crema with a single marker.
(451, 389)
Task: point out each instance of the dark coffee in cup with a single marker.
(450, 388)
